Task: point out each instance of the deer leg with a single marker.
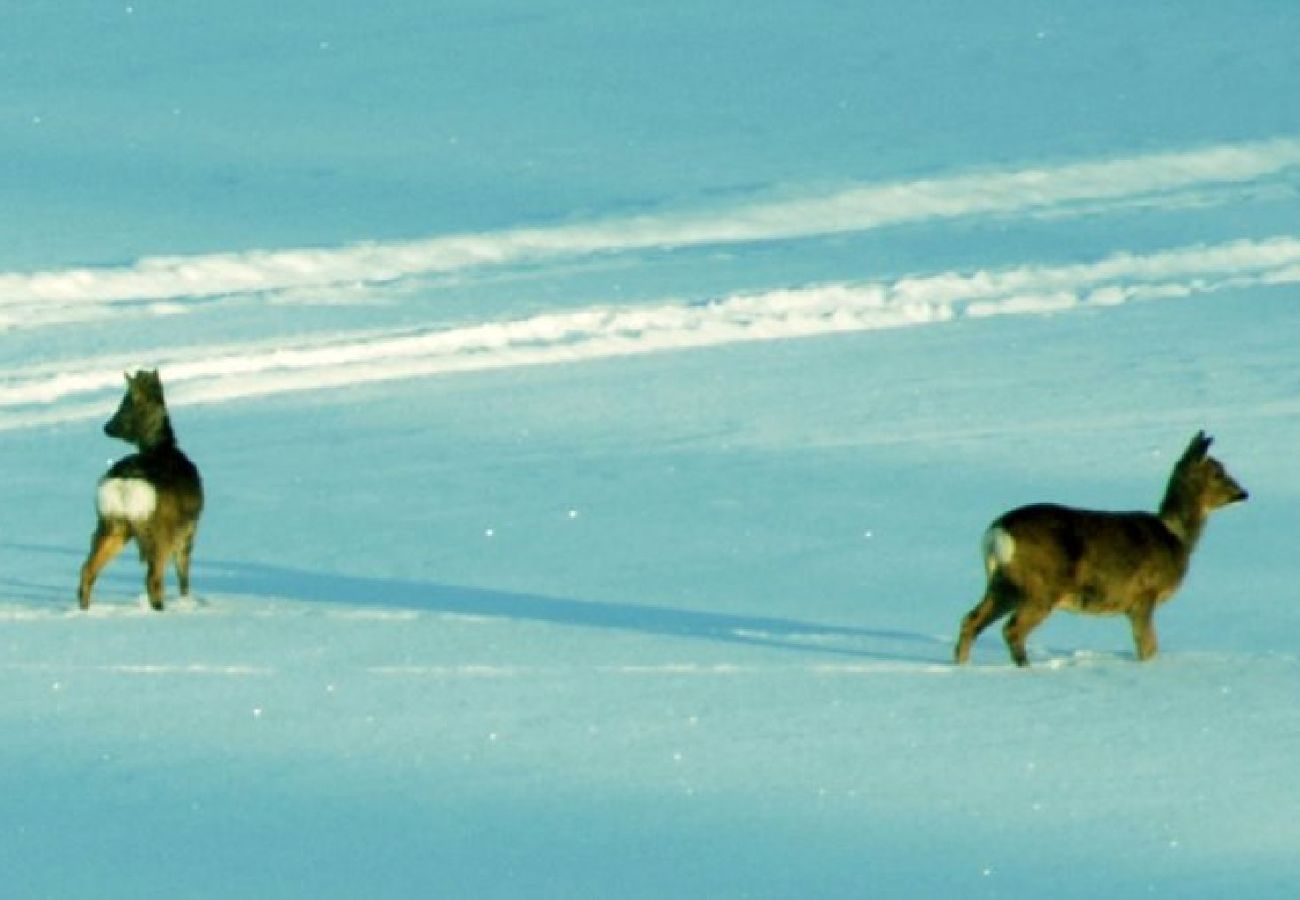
(155, 555)
(154, 581)
(1025, 619)
(986, 612)
(1144, 630)
(183, 552)
(107, 541)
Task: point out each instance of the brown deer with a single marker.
(154, 496)
(1045, 557)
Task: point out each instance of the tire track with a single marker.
(88, 387)
(173, 284)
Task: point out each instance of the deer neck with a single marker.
(160, 436)
(1182, 515)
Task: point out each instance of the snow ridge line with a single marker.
(89, 388)
(665, 670)
(234, 670)
(37, 298)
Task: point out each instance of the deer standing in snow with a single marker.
(154, 496)
(1045, 557)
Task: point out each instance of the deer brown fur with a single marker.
(1045, 557)
(154, 496)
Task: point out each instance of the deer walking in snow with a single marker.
(154, 496)
(1045, 557)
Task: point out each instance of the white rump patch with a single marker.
(132, 499)
(999, 548)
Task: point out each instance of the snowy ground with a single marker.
(599, 411)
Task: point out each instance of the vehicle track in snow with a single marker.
(58, 390)
(85, 388)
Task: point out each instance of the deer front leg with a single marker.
(1142, 618)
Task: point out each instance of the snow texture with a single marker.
(599, 409)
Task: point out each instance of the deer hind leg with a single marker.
(108, 540)
(155, 554)
(1025, 619)
(155, 572)
(184, 549)
(994, 605)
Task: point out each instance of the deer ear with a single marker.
(1198, 448)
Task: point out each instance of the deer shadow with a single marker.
(214, 578)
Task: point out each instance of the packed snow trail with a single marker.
(76, 389)
(1169, 179)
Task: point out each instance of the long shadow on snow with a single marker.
(259, 579)
(277, 581)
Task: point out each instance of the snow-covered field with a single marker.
(599, 408)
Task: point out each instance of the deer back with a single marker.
(1090, 561)
(168, 472)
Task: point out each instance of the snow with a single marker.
(1157, 179)
(599, 412)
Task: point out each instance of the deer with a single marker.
(1045, 557)
(154, 496)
